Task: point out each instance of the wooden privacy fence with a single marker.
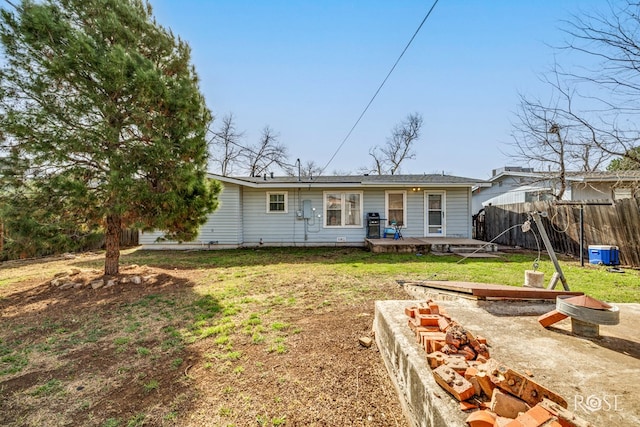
(616, 224)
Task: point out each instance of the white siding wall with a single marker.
(497, 187)
(599, 191)
(288, 228)
(415, 215)
(458, 214)
(242, 218)
(224, 226)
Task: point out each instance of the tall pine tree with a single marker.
(101, 116)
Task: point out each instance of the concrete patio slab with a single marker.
(597, 377)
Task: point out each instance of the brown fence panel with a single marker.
(616, 224)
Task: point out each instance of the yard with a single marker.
(223, 338)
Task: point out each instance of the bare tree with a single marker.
(267, 153)
(224, 146)
(552, 137)
(308, 169)
(611, 42)
(399, 146)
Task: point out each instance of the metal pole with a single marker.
(545, 238)
(581, 235)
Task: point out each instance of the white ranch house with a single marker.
(330, 210)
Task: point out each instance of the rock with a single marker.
(68, 256)
(365, 341)
(110, 283)
(96, 284)
(56, 282)
(66, 285)
(125, 280)
(136, 280)
(78, 285)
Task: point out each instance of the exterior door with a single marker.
(434, 209)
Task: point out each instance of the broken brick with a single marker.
(507, 405)
(481, 419)
(436, 359)
(449, 349)
(420, 330)
(470, 375)
(551, 317)
(468, 352)
(466, 406)
(566, 418)
(410, 311)
(428, 319)
(485, 383)
(434, 308)
(429, 338)
(457, 362)
(453, 382)
(437, 345)
(534, 417)
(502, 421)
(456, 336)
(443, 323)
(423, 310)
(524, 387)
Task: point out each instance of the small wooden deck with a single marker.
(430, 244)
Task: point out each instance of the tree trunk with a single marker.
(112, 242)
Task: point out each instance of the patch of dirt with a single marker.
(121, 355)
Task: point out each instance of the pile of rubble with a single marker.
(497, 395)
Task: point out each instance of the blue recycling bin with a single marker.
(604, 255)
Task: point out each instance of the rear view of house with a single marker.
(331, 210)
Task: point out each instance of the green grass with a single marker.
(248, 273)
(51, 387)
(245, 297)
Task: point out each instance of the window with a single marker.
(277, 202)
(396, 207)
(343, 209)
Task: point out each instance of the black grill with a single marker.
(373, 225)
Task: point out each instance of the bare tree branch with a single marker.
(399, 146)
(224, 146)
(269, 151)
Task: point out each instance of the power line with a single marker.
(378, 90)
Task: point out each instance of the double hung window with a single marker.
(343, 209)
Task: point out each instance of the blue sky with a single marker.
(308, 68)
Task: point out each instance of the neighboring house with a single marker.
(604, 185)
(514, 184)
(331, 210)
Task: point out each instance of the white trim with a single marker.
(404, 206)
(342, 209)
(443, 209)
(286, 202)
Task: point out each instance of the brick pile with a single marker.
(494, 394)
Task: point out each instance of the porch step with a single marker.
(486, 247)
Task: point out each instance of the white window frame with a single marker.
(342, 209)
(286, 201)
(404, 206)
(443, 210)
